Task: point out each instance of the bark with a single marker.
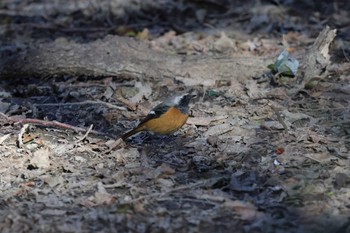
(317, 58)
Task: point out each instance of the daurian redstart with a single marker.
(165, 118)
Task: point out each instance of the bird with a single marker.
(165, 118)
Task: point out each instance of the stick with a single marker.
(46, 123)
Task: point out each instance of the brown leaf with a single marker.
(245, 210)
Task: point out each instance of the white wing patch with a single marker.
(177, 99)
(152, 113)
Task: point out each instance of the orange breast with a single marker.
(167, 123)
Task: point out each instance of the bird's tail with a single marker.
(130, 133)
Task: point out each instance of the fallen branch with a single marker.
(109, 105)
(317, 58)
(202, 183)
(46, 123)
(85, 135)
(126, 58)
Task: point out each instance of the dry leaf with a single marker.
(213, 140)
(41, 158)
(53, 181)
(28, 137)
(245, 210)
(102, 196)
(164, 170)
(319, 157)
(128, 157)
(165, 183)
(145, 91)
(272, 125)
(3, 138)
(144, 35)
(204, 121)
(218, 130)
(224, 43)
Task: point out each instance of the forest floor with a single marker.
(257, 154)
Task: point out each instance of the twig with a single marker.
(86, 134)
(182, 187)
(4, 116)
(3, 138)
(115, 145)
(57, 28)
(75, 29)
(279, 118)
(195, 199)
(109, 105)
(20, 135)
(46, 123)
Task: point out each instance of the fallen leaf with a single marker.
(224, 43)
(53, 212)
(218, 130)
(41, 158)
(245, 210)
(144, 35)
(213, 140)
(279, 150)
(244, 181)
(340, 180)
(28, 137)
(318, 157)
(165, 183)
(204, 121)
(62, 149)
(164, 170)
(145, 91)
(102, 196)
(53, 181)
(249, 45)
(292, 117)
(127, 157)
(3, 138)
(276, 125)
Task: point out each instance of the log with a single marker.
(125, 58)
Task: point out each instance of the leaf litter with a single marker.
(253, 157)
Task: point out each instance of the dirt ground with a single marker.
(258, 154)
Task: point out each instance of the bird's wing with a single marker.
(156, 112)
